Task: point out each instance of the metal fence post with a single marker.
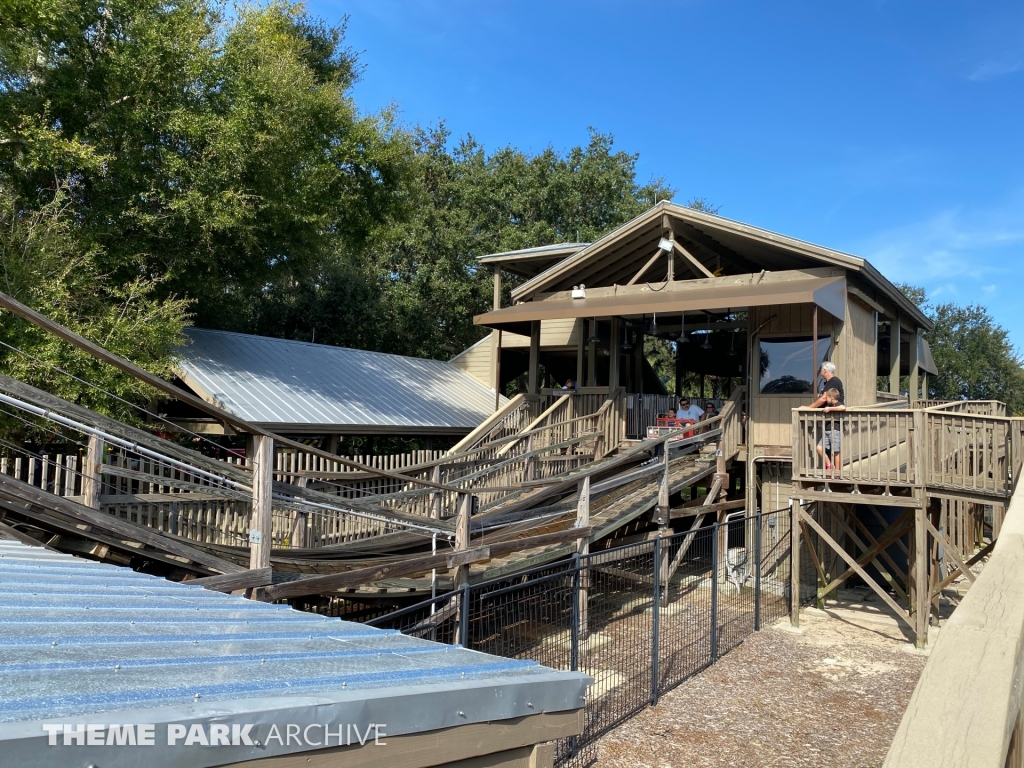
(757, 573)
(655, 622)
(714, 592)
(464, 616)
(574, 633)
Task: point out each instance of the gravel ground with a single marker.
(832, 695)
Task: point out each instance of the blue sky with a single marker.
(894, 131)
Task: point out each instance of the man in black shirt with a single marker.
(829, 380)
(830, 445)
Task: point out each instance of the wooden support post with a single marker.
(671, 237)
(92, 472)
(794, 562)
(261, 525)
(497, 373)
(663, 488)
(814, 352)
(532, 386)
(934, 564)
(581, 340)
(437, 500)
(679, 363)
(460, 576)
(638, 362)
(915, 366)
(663, 515)
(465, 507)
(592, 355)
(894, 355)
(583, 549)
(613, 358)
(920, 577)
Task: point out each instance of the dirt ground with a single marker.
(831, 695)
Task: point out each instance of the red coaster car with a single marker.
(665, 422)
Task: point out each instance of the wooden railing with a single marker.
(957, 446)
(975, 407)
(966, 451)
(732, 423)
(507, 420)
(967, 707)
(887, 397)
(58, 473)
(876, 445)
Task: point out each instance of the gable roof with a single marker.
(296, 386)
(712, 240)
(528, 262)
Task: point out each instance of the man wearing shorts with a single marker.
(830, 445)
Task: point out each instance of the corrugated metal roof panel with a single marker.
(297, 384)
(89, 643)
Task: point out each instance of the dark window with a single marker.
(786, 364)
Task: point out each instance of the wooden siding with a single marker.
(553, 333)
(860, 354)
(476, 361)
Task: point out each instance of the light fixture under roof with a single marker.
(683, 338)
(594, 338)
(653, 330)
(707, 337)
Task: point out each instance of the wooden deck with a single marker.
(944, 463)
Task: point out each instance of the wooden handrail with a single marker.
(533, 424)
(489, 423)
(966, 708)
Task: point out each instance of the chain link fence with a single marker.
(639, 619)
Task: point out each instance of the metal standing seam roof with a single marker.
(82, 642)
(298, 385)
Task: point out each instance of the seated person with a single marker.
(671, 413)
(830, 445)
(687, 411)
(709, 413)
(570, 384)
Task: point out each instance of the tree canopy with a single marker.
(197, 164)
(973, 354)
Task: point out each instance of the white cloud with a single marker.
(994, 68)
(953, 250)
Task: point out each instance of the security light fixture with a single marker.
(579, 291)
(665, 244)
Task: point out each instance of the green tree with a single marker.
(421, 280)
(42, 266)
(973, 354)
(221, 154)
